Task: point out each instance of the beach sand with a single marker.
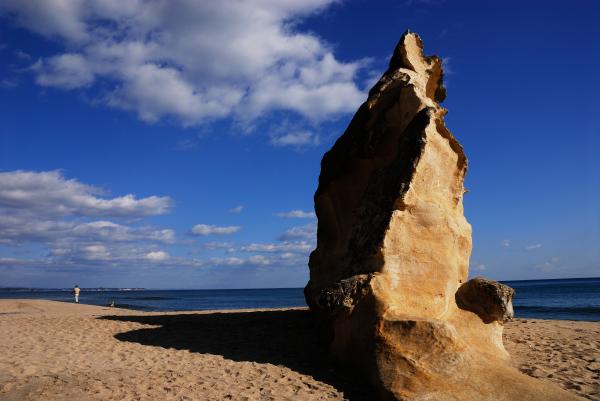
(560, 351)
(61, 351)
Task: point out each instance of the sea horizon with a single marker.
(101, 288)
(575, 298)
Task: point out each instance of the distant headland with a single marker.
(36, 289)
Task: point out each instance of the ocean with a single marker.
(568, 299)
(565, 299)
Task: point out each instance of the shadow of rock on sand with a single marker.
(287, 338)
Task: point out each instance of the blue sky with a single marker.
(176, 144)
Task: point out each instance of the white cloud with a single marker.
(298, 214)
(68, 219)
(296, 139)
(157, 256)
(255, 261)
(119, 232)
(533, 247)
(237, 209)
(193, 60)
(231, 261)
(480, 267)
(50, 193)
(25, 227)
(56, 18)
(211, 246)
(67, 224)
(308, 232)
(97, 251)
(446, 65)
(301, 246)
(206, 229)
(67, 71)
(81, 254)
(13, 261)
(259, 260)
(506, 243)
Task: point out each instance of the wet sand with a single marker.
(60, 351)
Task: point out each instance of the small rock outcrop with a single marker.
(490, 300)
(388, 279)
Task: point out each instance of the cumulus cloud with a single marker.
(102, 254)
(24, 227)
(506, 243)
(71, 224)
(50, 193)
(206, 229)
(259, 260)
(255, 261)
(230, 261)
(157, 256)
(74, 225)
(67, 71)
(300, 246)
(96, 252)
(211, 246)
(296, 139)
(71, 219)
(193, 60)
(13, 261)
(307, 232)
(533, 247)
(292, 251)
(297, 214)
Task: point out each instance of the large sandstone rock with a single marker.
(393, 250)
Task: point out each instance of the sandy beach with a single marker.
(60, 351)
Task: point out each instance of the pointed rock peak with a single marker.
(408, 54)
(388, 278)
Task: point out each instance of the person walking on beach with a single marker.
(76, 291)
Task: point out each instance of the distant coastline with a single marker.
(558, 299)
(100, 289)
(93, 289)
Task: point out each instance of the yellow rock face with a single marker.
(393, 250)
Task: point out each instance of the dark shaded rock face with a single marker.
(490, 300)
(393, 246)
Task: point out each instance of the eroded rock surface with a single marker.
(393, 249)
(489, 299)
